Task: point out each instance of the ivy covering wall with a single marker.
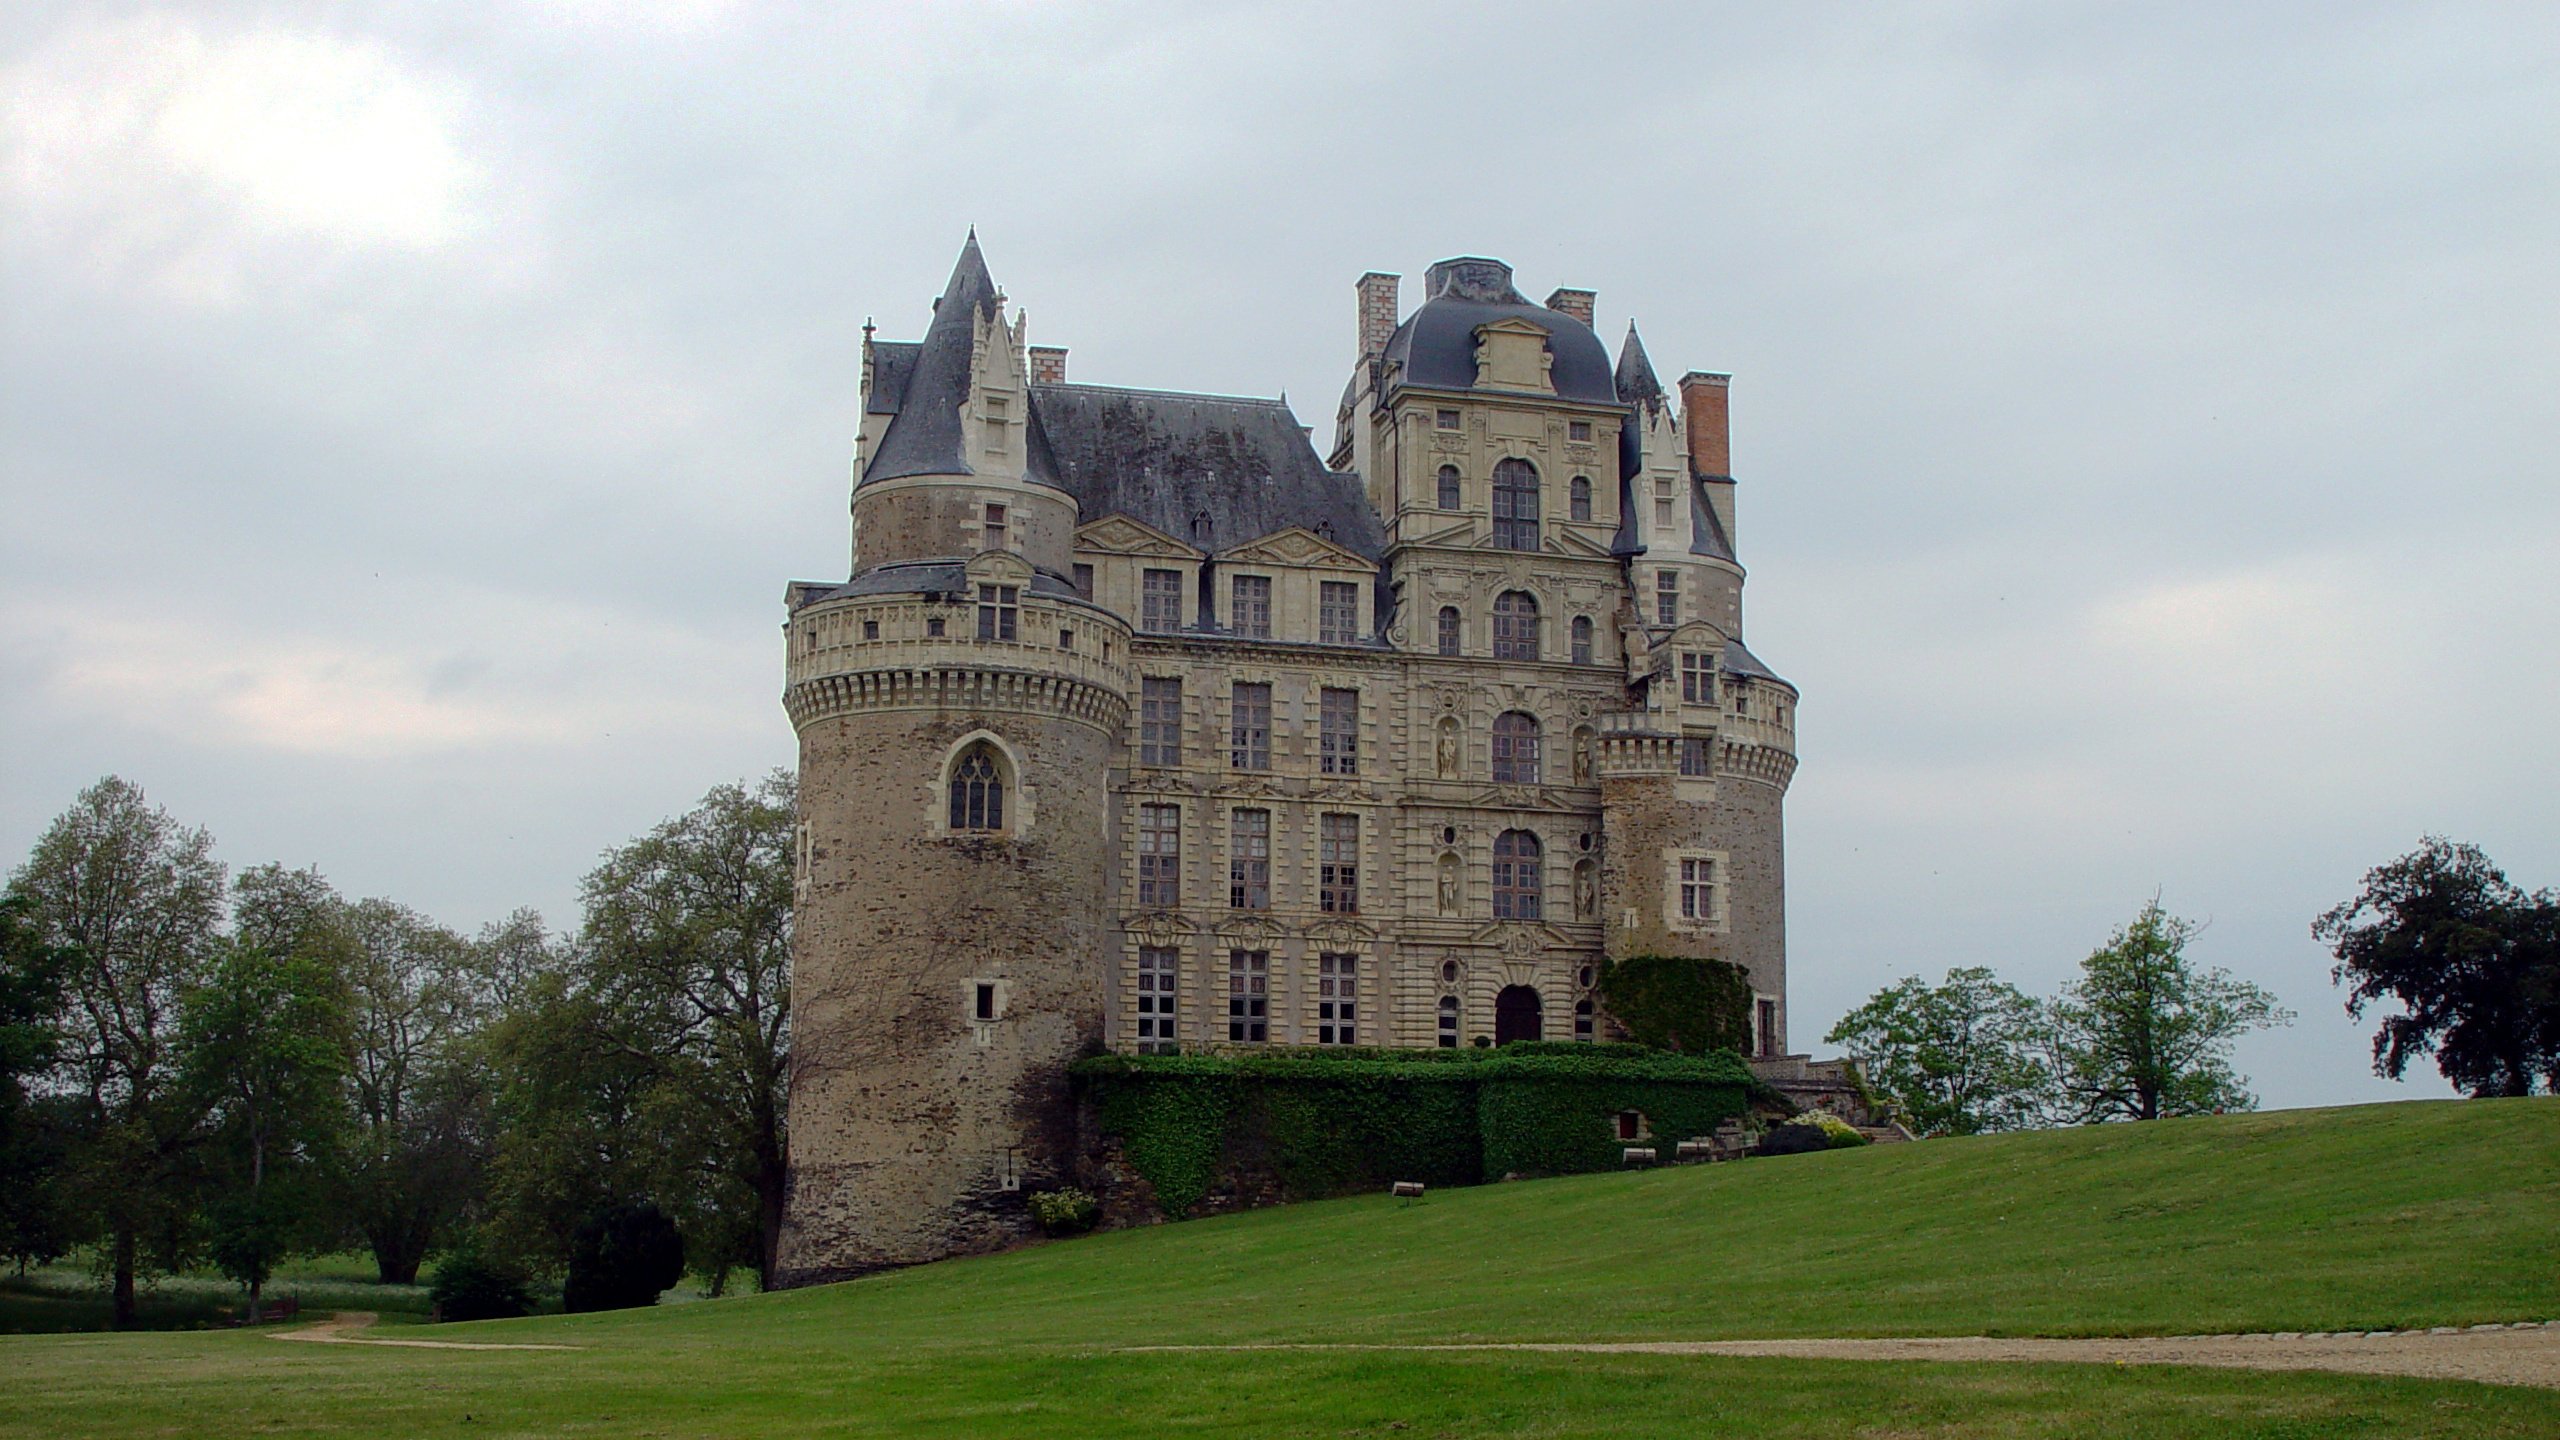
(1335, 1122)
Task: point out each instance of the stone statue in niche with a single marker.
(1448, 884)
(1447, 753)
(1582, 757)
(1586, 892)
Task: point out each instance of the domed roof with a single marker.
(1437, 344)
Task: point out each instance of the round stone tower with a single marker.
(959, 709)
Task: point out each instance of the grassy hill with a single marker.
(2381, 1216)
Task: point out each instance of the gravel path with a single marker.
(342, 1328)
(2526, 1354)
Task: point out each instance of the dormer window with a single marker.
(995, 411)
(999, 611)
(1662, 509)
(1697, 679)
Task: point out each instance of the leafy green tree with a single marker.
(686, 960)
(417, 1093)
(2473, 961)
(623, 1257)
(36, 1224)
(1676, 1002)
(2144, 1033)
(1964, 1057)
(265, 1038)
(136, 901)
(570, 1127)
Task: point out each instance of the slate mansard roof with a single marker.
(1436, 345)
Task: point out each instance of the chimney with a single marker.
(1377, 312)
(1048, 364)
(1576, 303)
(1703, 415)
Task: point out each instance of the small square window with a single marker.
(870, 629)
(1630, 1125)
(1066, 639)
(1448, 419)
(986, 1000)
(933, 625)
(1577, 430)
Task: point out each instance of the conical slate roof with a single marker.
(925, 436)
(1636, 382)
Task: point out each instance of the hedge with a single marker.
(1317, 1124)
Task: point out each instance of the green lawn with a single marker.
(2398, 1215)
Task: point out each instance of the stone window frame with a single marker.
(1020, 803)
(1720, 892)
(1453, 631)
(1666, 596)
(1337, 612)
(1156, 598)
(1697, 757)
(1248, 990)
(1516, 488)
(999, 612)
(1450, 488)
(1338, 997)
(1512, 763)
(1697, 678)
(1584, 640)
(1765, 1010)
(1450, 1013)
(1248, 871)
(1338, 862)
(1245, 753)
(1578, 499)
(1160, 740)
(1447, 420)
(1157, 1003)
(1160, 884)
(1251, 618)
(1519, 875)
(1516, 623)
(1337, 730)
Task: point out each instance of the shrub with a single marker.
(1837, 1134)
(471, 1286)
(1065, 1212)
(622, 1258)
(1793, 1138)
(1675, 1002)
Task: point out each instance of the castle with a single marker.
(1140, 724)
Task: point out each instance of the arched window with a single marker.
(1448, 487)
(1515, 626)
(1518, 889)
(1448, 1022)
(1581, 639)
(1581, 493)
(977, 790)
(1515, 749)
(1448, 629)
(1515, 505)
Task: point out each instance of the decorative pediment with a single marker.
(1522, 939)
(1512, 354)
(1161, 928)
(1299, 547)
(1342, 934)
(1249, 932)
(1573, 542)
(999, 567)
(1120, 535)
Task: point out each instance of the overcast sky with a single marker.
(411, 413)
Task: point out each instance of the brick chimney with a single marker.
(1704, 416)
(1377, 312)
(1048, 364)
(1576, 303)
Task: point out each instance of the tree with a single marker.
(2143, 1033)
(623, 1258)
(417, 1095)
(1960, 1058)
(35, 1224)
(265, 1048)
(1674, 1002)
(2472, 960)
(137, 902)
(687, 954)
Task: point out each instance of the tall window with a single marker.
(994, 533)
(1765, 1027)
(1249, 996)
(1694, 758)
(995, 427)
(1515, 505)
(1697, 679)
(1666, 597)
(1697, 889)
(1741, 697)
(1662, 510)
(1448, 1022)
(1582, 1018)
(1249, 860)
(1156, 971)
(1518, 890)
(1338, 740)
(1580, 497)
(1515, 626)
(1449, 493)
(1515, 749)
(1338, 613)
(1338, 865)
(1160, 721)
(1249, 727)
(1160, 855)
(1448, 629)
(1084, 581)
(1581, 639)
(977, 791)
(1160, 600)
(999, 611)
(1337, 999)
(1251, 614)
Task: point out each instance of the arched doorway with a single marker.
(1515, 1015)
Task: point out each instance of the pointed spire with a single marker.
(970, 283)
(1636, 382)
(924, 437)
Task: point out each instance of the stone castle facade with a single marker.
(1142, 725)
